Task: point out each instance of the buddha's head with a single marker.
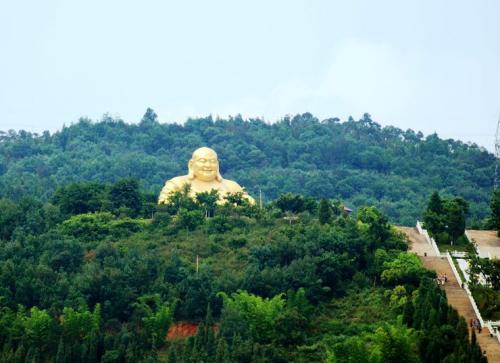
(204, 165)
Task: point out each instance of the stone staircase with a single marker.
(457, 297)
(418, 244)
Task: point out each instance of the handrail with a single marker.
(419, 227)
(466, 288)
(474, 243)
(453, 268)
(493, 329)
(473, 303)
(489, 324)
(428, 238)
(468, 236)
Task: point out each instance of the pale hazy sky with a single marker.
(427, 65)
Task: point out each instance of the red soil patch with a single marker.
(182, 330)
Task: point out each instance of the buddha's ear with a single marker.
(218, 177)
(190, 168)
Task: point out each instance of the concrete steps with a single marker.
(418, 244)
(457, 297)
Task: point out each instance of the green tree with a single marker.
(378, 226)
(172, 356)
(61, 356)
(189, 219)
(295, 203)
(435, 203)
(78, 198)
(259, 313)
(40, 330)
(433, 215)
(405, 268)
(88, 227)
(456, 210)
(222, 352)
(208, 201)
(352, 350)
(324, 211)
(155, 317)
(124, 196)
(495, 211)
(149, 119)
(180, 199)
(9, 218)
(396, 344)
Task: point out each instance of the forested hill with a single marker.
(359, 162)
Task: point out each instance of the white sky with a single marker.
(429, 65)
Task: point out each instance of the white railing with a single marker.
(474, 243)
(453, 268)
(493, 327)
(428, 238)
(436, 248)
(419, 228)
(423, 232)
(467, 235)
(473, 303)
(466, 288)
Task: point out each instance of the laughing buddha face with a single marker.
(204, 165)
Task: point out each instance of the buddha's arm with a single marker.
(235, 187)
(169, 187)
(249, 198)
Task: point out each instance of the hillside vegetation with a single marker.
(359, 162)
(90, 277)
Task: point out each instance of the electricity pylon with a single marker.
(497, 155)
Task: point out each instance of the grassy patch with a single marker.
(488, 302)
(357, 312)
(443, 247)
(460, 272)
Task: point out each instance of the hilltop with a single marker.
(359, 162)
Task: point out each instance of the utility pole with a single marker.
(497, 156)
(290, 218)
(197, 264)
(260, 198)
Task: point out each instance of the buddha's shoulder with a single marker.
(178, 181)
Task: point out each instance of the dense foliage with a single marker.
(445, 219)
(359, 162)
(484, 283)
(90, 276)
(494, 221)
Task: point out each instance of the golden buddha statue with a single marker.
(203, 176)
